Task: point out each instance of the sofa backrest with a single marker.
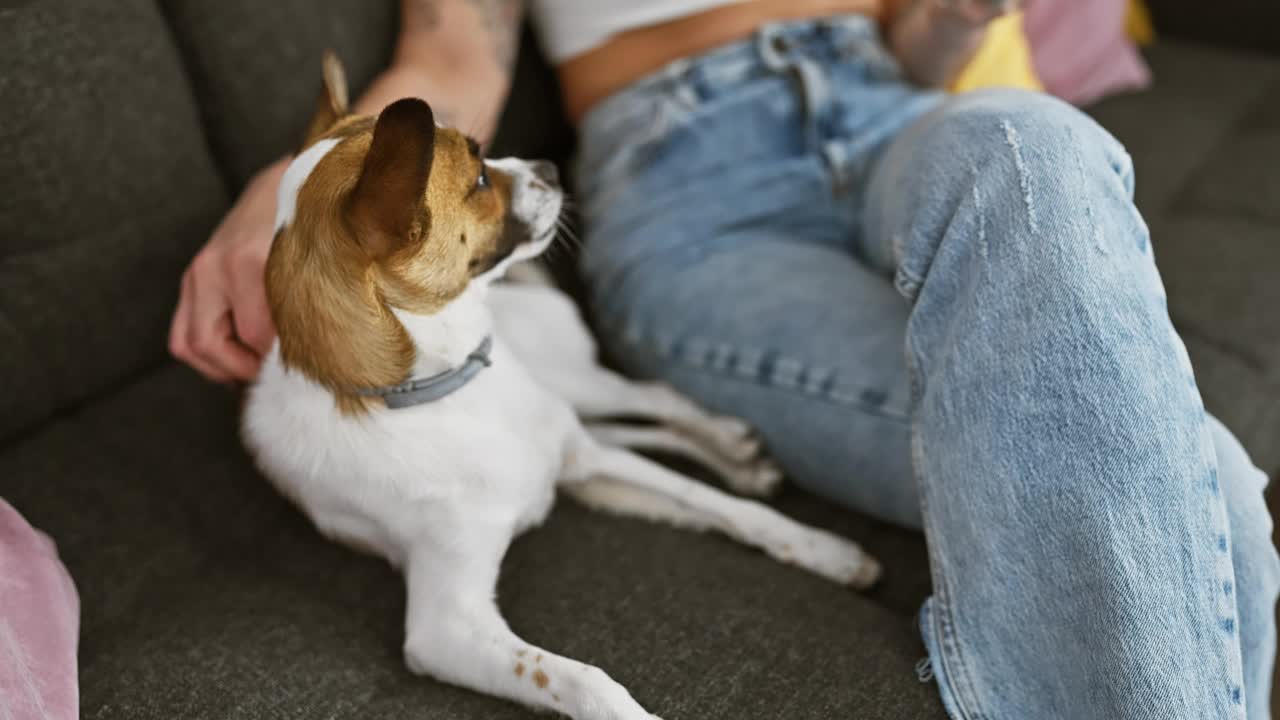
(1238, 24)
(254, 67)
(127, 128)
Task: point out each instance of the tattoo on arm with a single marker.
(500, 19)
(460, 55)
(427, 15)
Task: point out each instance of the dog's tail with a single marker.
(530, 273)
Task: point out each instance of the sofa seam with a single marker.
(184, 55)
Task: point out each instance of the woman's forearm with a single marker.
(455, 54)
(470, 103)
(935, 39)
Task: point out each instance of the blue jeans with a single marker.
(945, 312)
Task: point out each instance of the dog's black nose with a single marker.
(546, 172)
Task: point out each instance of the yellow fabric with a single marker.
(1138, 23)
(1003, 59)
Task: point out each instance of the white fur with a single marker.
(296, 174)
(440, 489)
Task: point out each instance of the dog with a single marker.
(415, 407)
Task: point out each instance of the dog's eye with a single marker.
(483, 180)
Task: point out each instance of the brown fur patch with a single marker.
(335, 273)
(425, 276)
(332, 324)
(385, 207)
(349, 126)
(519, 669)
(540, 679)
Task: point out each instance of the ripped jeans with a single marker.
(945, 312)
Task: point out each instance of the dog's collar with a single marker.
(419, 391)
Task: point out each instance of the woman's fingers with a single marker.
(180, 333)
(239, 360)
(210, 335)
(249, 310)
(222, 326)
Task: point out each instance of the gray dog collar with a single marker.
(419, 391)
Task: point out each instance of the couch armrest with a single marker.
(1242, 24)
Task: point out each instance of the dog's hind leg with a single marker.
(759, 477)
(620, 498)
(455, 633)
(634, 482)
(601, 393)
(548, 335)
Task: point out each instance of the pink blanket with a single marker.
(1081, 49)
(39, 625)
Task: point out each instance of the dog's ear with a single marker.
(388, 197)
(333, 103)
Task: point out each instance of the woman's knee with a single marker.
(1012, 177)
(1038, 133)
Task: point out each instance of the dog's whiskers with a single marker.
(567, 238)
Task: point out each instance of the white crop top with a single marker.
(571, 27)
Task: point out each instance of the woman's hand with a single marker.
(457, 55)
(978, 12)
(222, 325)
(935, 39)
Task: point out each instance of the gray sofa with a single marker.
(126, 128)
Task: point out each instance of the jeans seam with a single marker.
(960, 681)
(955, 669)
(667, 348)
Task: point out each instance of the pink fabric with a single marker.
(39, 626)
(1081, 49)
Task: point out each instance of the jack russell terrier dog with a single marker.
(416, 409)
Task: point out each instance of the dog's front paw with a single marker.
(733, 439)
(742, 462)
(590, 694)
(761, 478)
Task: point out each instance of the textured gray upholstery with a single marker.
(128, 127)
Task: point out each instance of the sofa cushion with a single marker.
(1234, 24)
(255, 67)
(106, 190)
(1200, 97)
(1241, 178)
(205, 595)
